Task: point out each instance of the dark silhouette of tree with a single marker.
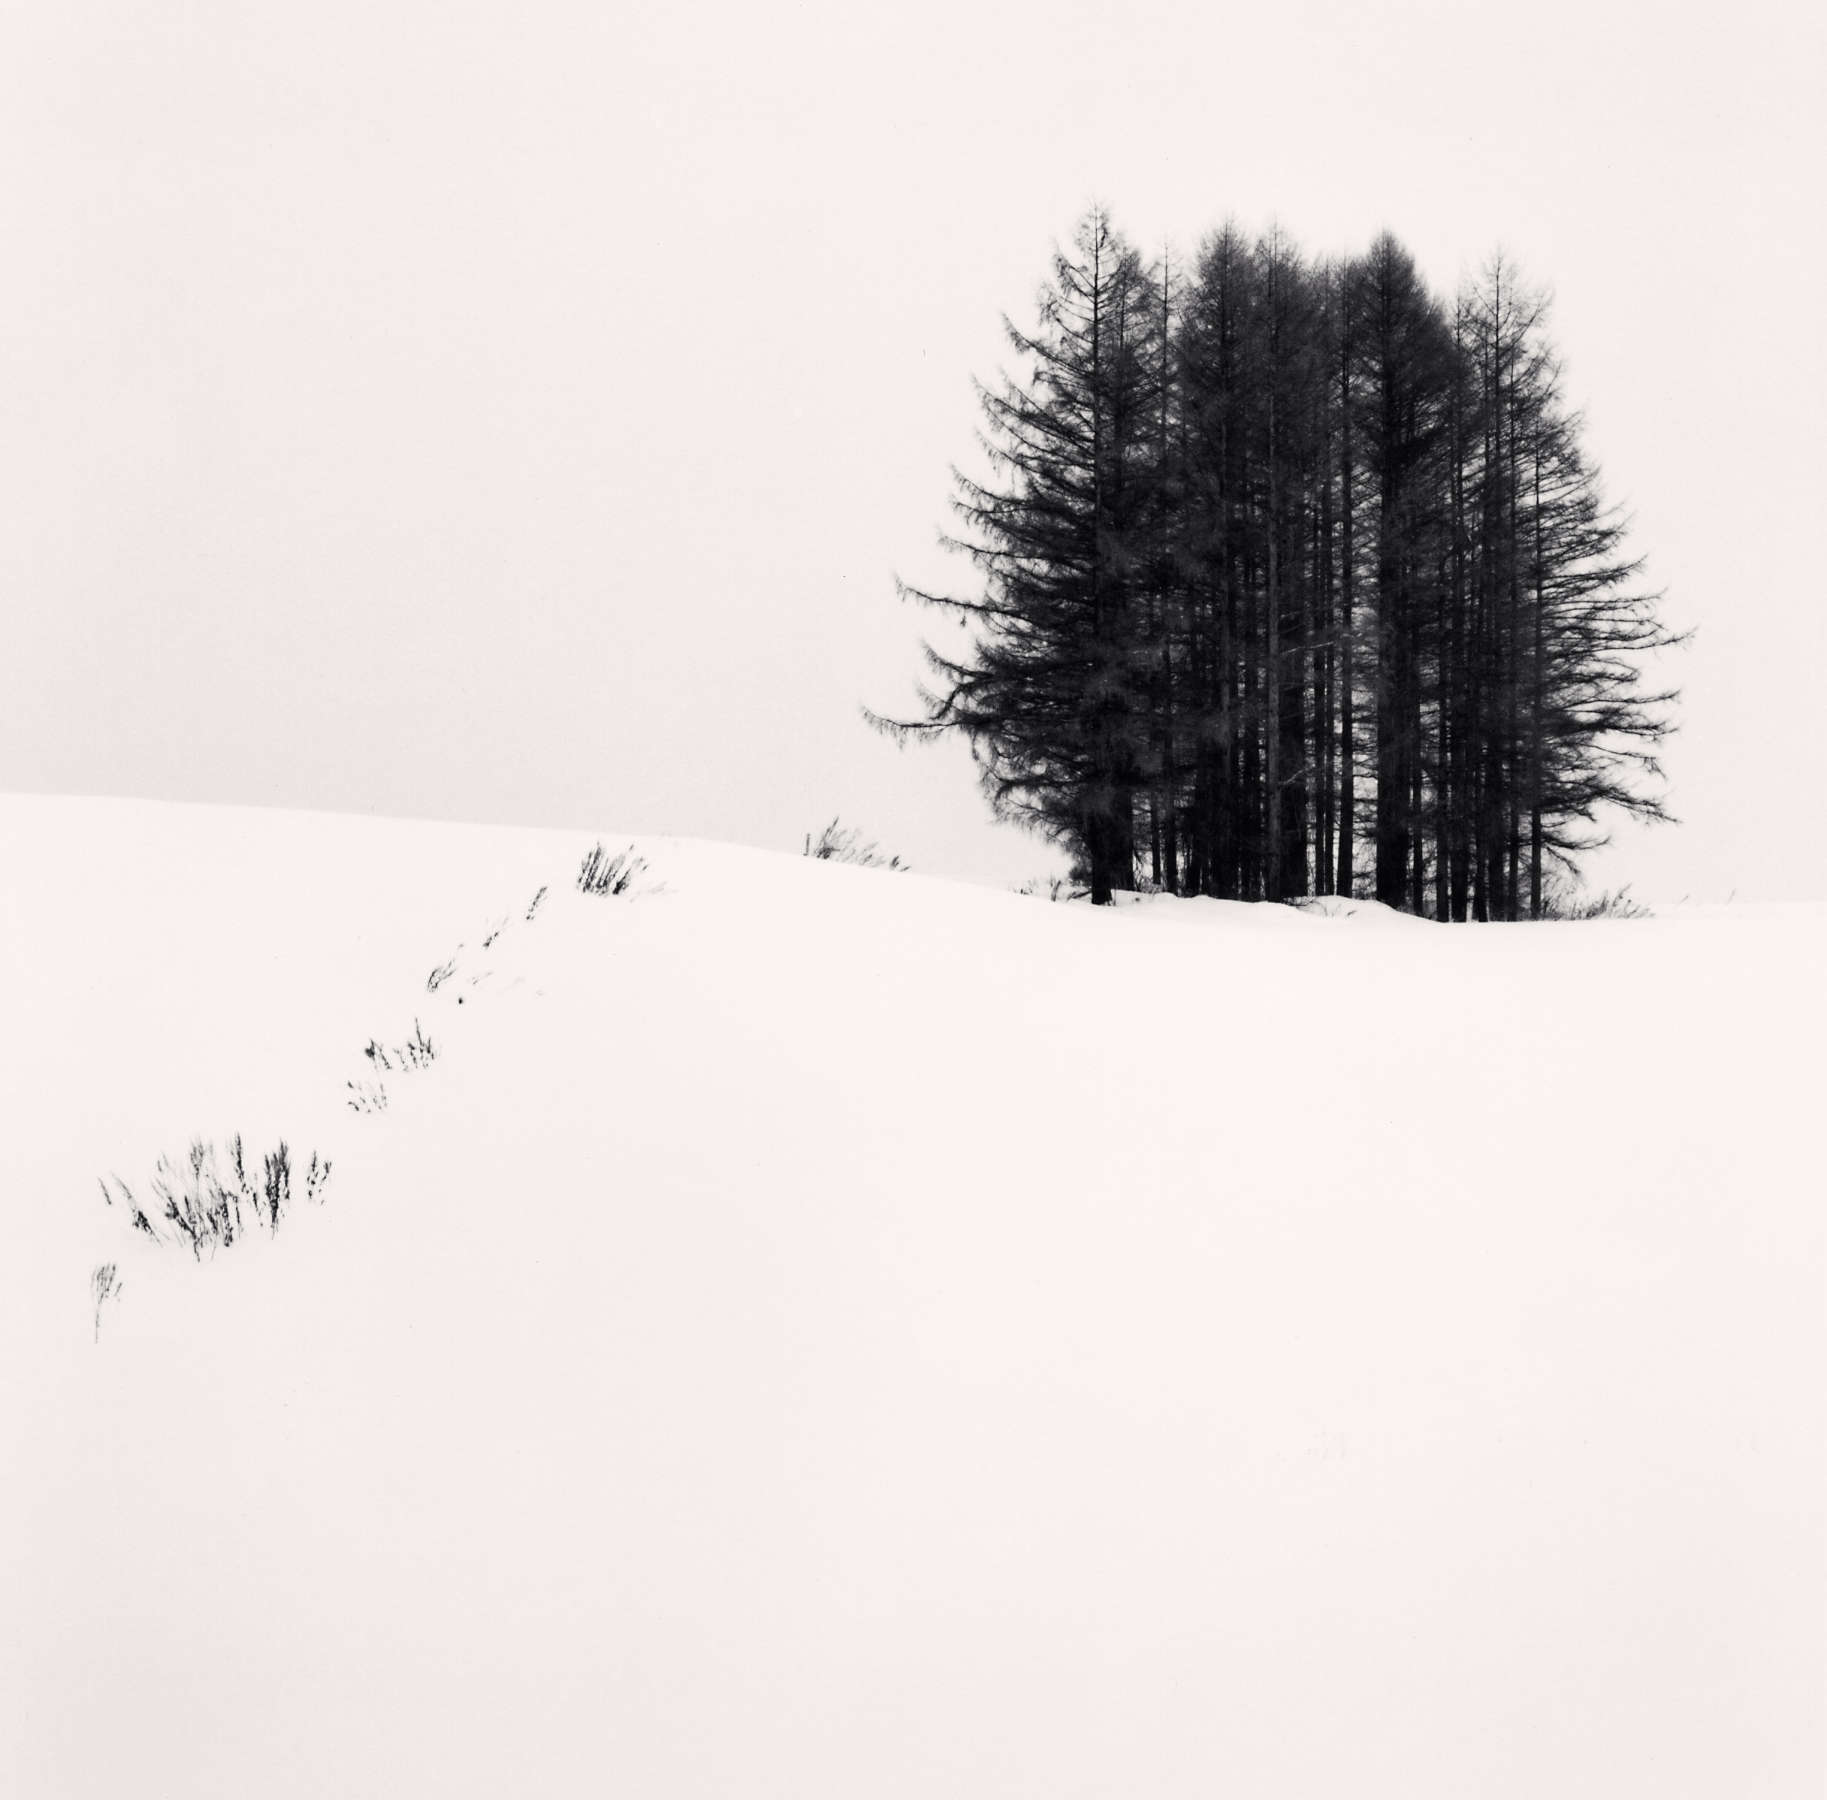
(1400, 397)
(1568, 726)
(1053, 697)
(1220, 381)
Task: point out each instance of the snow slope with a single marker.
(815, 1332)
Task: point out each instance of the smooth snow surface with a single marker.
(821, 1333)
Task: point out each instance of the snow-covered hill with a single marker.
(817, 1332)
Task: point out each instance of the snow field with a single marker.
(819, 1332)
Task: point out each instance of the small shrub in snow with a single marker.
(1559, 903)
(418, 1052)
(1055, 888)
(367, 1096)
(206, 1202)
(845, 844)
(608, 875)
(441, 974)
(533, 904)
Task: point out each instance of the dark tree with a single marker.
(1403, 384)
(1223, 401)
(1053, 695)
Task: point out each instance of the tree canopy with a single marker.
(1294, 579)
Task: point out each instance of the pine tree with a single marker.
(1218, 375)
(1404, 349)
(1586, 727)
(1053, 695)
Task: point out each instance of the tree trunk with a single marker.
(1347, 852)
(1536, 703)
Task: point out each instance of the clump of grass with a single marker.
(418, 1052)
(844, 843)
(1560, 903)
(533, 904)
(608, 875)
(206, 1201)
(367, 1096)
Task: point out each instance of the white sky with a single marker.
(517, 413)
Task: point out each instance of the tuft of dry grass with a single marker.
(608, 875)
(844, 843)
(418, 1052)
(208, 1198)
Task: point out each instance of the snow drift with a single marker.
(812, 1332)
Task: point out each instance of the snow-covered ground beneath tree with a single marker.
(817, 1332)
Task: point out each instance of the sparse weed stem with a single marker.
(136, 1214)
(366, 1096)
(104, 1285)
(846, 844)
(418, 1052)
(1564, 904)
